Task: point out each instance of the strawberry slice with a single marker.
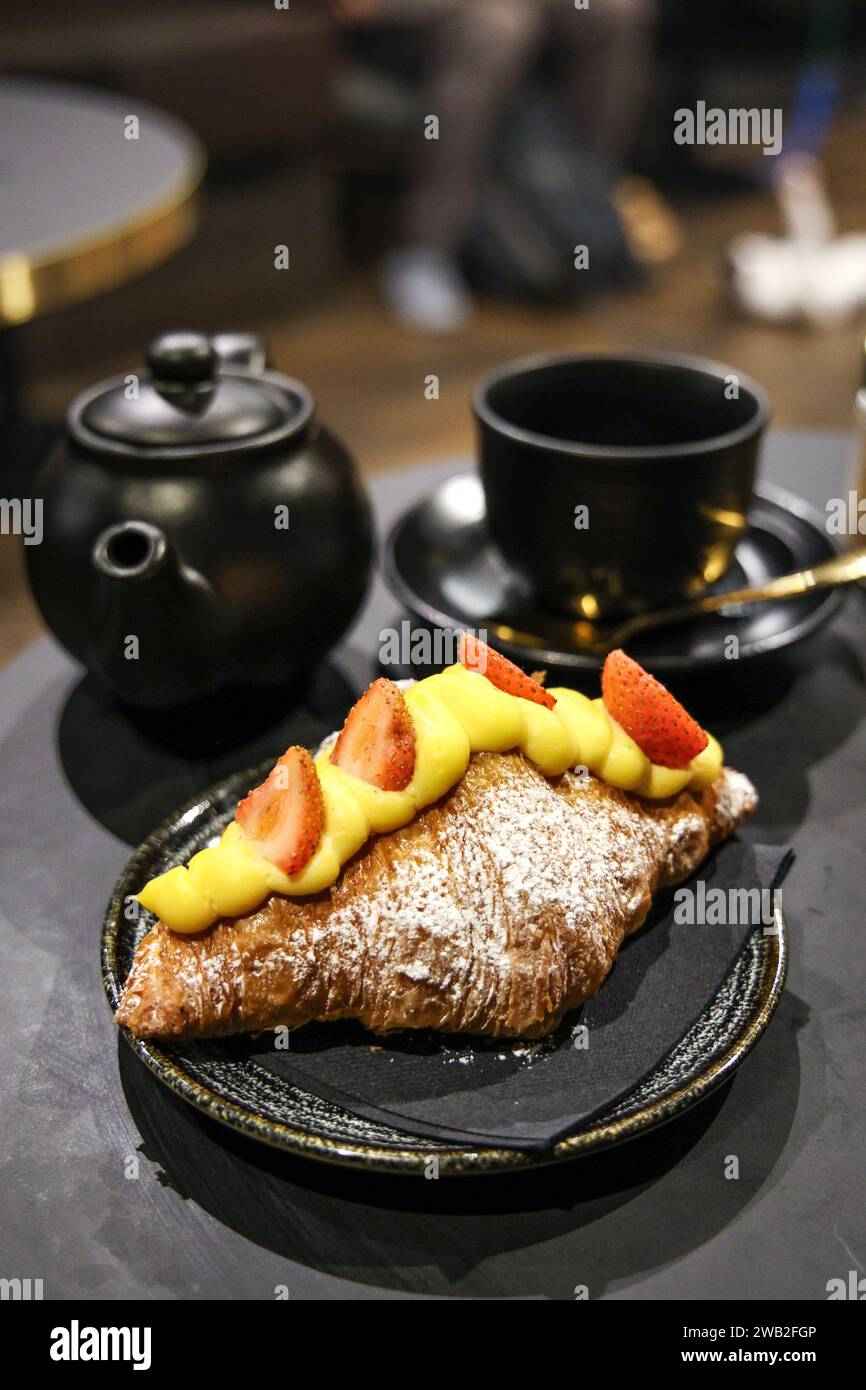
(377, 743)
(501, 672)
(648, 712)
(283, 817)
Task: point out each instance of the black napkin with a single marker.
(527, 1095)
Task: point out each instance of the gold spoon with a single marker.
(842, 569)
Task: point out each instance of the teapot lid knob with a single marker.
(182, 359)
(201, 396)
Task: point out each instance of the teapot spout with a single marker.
(155, 623)
(130, 550)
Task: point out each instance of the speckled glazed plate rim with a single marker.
(409, 1154)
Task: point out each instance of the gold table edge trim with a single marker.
(34, 285)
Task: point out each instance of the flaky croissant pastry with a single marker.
(495, 911)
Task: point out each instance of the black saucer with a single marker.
(440, 563)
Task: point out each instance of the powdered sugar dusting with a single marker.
(493, 912)
(735, 798)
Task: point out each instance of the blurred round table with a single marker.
(95, 189)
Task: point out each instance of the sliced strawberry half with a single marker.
(378, 739)
(648, 712)
(501, 672)
(283, 817)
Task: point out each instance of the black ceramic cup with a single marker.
(618, 484)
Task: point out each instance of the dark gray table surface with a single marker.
(113, 1188)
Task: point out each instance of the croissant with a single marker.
(494, 911)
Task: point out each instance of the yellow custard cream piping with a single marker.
(455, 713)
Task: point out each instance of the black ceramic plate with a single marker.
(223, 1081)
(440, 563)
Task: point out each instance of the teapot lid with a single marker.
(196, 399)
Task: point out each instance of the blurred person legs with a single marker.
(479, 50)
(472, 56)
(608, 59)
(606, 54)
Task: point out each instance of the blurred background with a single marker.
(374, 251)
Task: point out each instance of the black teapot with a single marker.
(199, 526)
